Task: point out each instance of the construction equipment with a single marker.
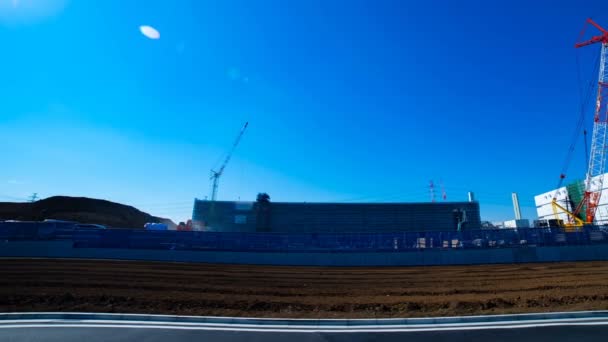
(597, 158)
(215, 175)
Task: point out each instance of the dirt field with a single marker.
(226, 290)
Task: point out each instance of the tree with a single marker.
(262, 208)
(263, 198)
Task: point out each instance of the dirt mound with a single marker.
(79, 209)
(311, 292)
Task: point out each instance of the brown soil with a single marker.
(313, 292)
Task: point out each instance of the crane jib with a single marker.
(596, 166)
(215, 175)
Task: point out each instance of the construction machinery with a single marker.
(215, 175)
(584, 211)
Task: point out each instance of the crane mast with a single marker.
(596, 167)
(597, 158)
(215, 175)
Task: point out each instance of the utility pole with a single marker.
(444, 195)
(34, 197)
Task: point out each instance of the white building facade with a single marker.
(568, 197)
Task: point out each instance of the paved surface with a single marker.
(583, 326)
(553, 334)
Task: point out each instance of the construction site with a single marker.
(320, 260)
(576, 205)
(581, 202)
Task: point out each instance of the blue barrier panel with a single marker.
(5, 232)
(19, 230)
(61, 230)
(88, 238)
(36, 230)
(300, 242)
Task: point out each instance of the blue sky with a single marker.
(347, 100)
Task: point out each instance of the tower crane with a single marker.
(597, 157)
(215, 175)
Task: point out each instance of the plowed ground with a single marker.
(312, 292)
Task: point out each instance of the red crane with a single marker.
(597, 158)
(602, 38)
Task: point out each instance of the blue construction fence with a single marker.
(299, 242)
(21, 230)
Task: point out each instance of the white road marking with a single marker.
(304, 329)
(336, 326)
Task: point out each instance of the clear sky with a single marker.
(347, 100)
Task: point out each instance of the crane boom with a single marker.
(215, 175)
(597, 157)
(595, 39)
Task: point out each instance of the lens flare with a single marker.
(149, 32)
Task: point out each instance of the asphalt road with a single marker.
(52, 334)
(93, 327)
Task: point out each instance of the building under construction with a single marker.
(292, 217)
(265, 216)
(570, 197)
